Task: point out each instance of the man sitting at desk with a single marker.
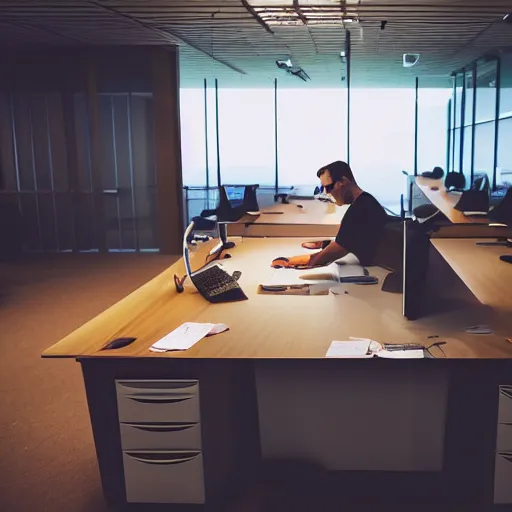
(361, 228)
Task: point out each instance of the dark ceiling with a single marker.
(238, 41)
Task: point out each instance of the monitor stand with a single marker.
(223, 236)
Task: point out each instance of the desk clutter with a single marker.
(362, 348)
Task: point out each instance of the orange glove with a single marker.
(298, 262)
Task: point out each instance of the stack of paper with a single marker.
(186, 335)
(350, 349)
(362, 348)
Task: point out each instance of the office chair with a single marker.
(435, 174)
(502, 213)
(455, 181)
(477, 198)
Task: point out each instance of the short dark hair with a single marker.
(338, 170)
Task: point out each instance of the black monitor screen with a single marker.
(235, 195)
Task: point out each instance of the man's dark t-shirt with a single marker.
(361, 228)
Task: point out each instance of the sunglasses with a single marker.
(328, 188)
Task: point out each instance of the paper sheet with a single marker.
(185, 336)
(349, 349)
(401, 354)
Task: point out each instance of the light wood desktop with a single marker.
(481, 269)
(315, 218)
(445, 201)
(291, 326)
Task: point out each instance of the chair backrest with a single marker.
(455, 181)
(502, 212)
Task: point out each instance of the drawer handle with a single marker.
(148, 399)
(163, 458)
(163, 386)
(165, 427)
(506, 455)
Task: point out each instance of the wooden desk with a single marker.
(481, 269)
(445, 201)
(315, 218)
(156, 309)
(253, 384)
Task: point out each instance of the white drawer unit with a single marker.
(161, 440)
(145, 436)
(503, 478)
(162, 476)
(158, 400)
(505, 405)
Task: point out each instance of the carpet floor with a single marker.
(48, 461)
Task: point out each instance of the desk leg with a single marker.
(230, 438)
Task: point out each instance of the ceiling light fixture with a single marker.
(300, 14)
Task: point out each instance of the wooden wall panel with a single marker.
(67, 146)
(142, 136)
(23, 134)
(58, 141)
(48, 228)
(83, 156)
(65, 207)
(93, 113)
(42, 162)
(124, 171)
(168, 150)
(8, 179)
(32, 234)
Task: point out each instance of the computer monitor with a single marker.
(235, 201)
(415, 263)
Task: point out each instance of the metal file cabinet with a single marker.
(503, 462)
(159, 422)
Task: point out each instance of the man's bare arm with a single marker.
(334, 251)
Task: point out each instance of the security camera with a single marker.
(411, 59)
(284, 64)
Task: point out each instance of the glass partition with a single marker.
(382, 141)
(246, 136)
(432, 126)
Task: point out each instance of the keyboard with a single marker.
(216, 285)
